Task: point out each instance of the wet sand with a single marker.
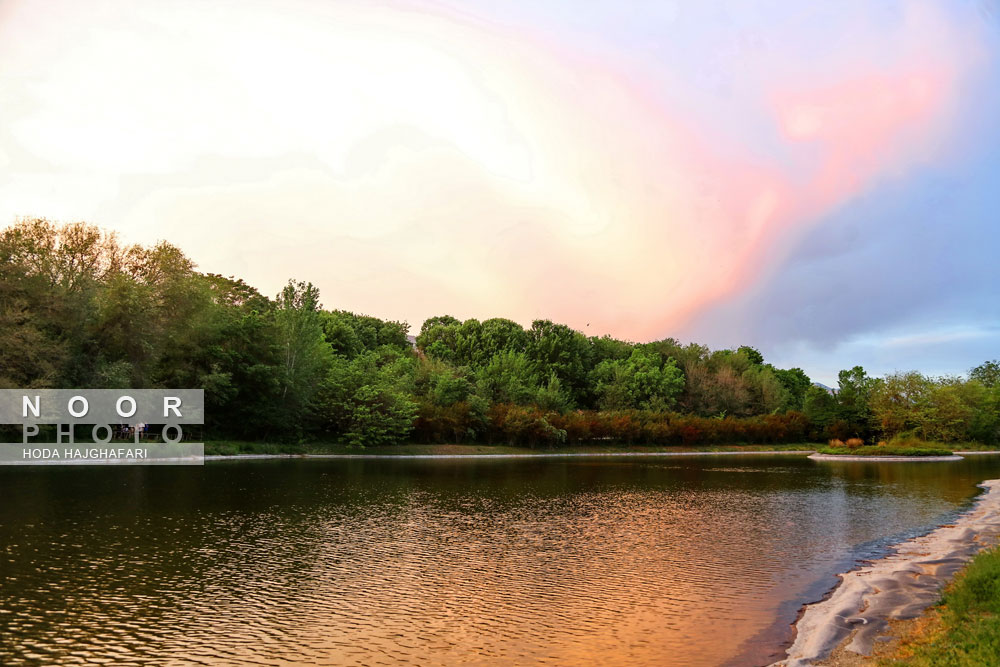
(863, 613)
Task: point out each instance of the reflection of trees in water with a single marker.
(326, 555)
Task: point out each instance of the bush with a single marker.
(517, 425)
(456, 423)
(854, 443)
(836, 444)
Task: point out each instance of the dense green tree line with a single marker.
(910, 405)
(78, 309)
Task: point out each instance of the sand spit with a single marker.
(899, 586)
(876, 459)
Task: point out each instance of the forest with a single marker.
(80, 309)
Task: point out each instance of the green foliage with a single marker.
(304, 353)
(985, 424)
(796, 384)
(899, 402)
(887, 450)
(945, 409)
(643, 381)
(526, 426)
(349, 335)
(987, 373)
(854, 400)
(341, 334)
(440, 383)
(752, 354)
(77, 308)
(557, 349)
(728, 383)
(367, 400)
(552, 397)
(509, 377)
(493, 337)
(438, 337)
(767, 393)
(820, 406)
(607, 348)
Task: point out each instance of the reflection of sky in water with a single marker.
(574, 561)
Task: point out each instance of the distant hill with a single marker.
(829, 390)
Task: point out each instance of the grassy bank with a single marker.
(973, 447)
(964, 630)
(235, 447)
(886, 451)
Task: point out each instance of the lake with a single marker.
(570, 561)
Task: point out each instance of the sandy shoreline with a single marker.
(900, 586)
(889, 459)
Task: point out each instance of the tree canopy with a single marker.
(80, 309)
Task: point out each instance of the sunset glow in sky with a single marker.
(819, 183)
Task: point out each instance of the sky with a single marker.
(818, 180)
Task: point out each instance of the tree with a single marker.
(341, 335)
(558, 349)
(366, 400)
(854, 399)
(987, 373)
(951, 405)
(985, 423)
(438, 337)
(79, 309)
(820, 407)
(752, 354)
(796, 383)
(608, 348)
(243, 385)
(509, 377)
(440, 383)
(49, 278)
(552, 397)
(305, 355)
(767, 394)
(900, 402)
(642, 381)
(492, 337)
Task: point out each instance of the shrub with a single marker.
(532, 425)
(529, 426)
(854, 443)
(836, 444)
(840, 430)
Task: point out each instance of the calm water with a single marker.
(681, 561)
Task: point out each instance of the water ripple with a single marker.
(440, 562)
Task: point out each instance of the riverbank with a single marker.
(230, 448)
(872, 604)
(964, 629)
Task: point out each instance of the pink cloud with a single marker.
(456, 166)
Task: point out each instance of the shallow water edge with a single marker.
(898, 587)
